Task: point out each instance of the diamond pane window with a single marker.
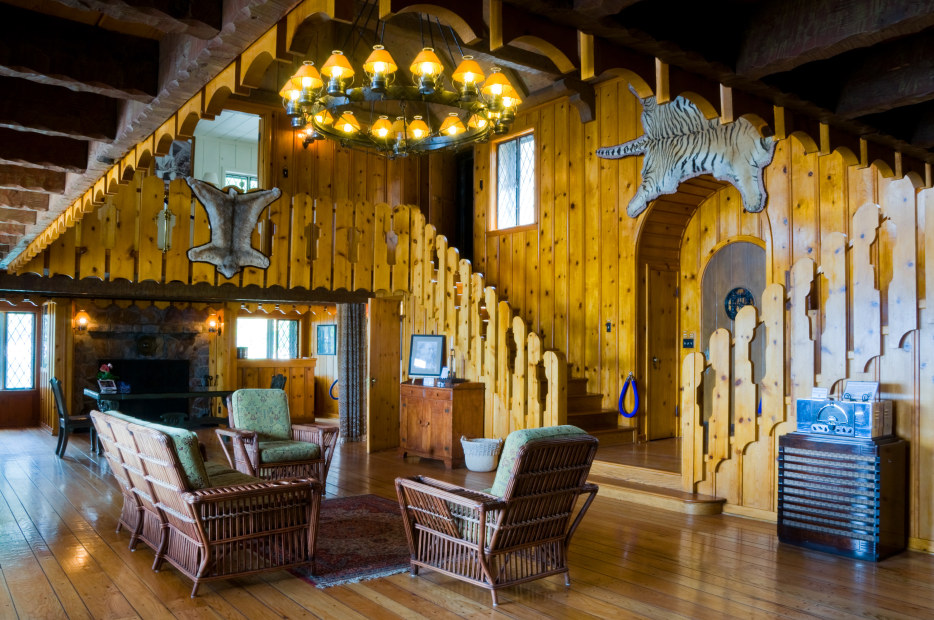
(19, 349)
(268, 338)
(286, 340)
(244, 181)
(515, 182)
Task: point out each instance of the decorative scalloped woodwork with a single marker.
(833, 306)
(324, 231)
(556, 403)
(801, 340)
(718, 426)
(744, 388)
(489, 358)
(866, 310)
(898, 200)
(772, 388)
(383, 257)
(501, 385)
(692, 429)
(534, 417)
(402, 226)
(464, 307)
(475, 362)
(452, 264)
(926, 202)
(518, 417)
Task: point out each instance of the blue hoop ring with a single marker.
(630, 380)
(331, 390)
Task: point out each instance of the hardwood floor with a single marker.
(60, 557)
(661, 454)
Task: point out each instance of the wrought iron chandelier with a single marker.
(401, 118)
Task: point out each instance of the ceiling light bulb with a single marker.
(379, 67)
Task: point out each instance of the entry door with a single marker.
(383, 401)
(660, 393)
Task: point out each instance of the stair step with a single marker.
(658, 497)
(594, 419)
(614, 436)
(577, 386)
(585, 402)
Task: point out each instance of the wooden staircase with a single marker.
(585, 410)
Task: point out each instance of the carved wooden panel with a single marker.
(772, 390)
(898, 200)
(718, 426)
(744, 404)
(692, 430)
(802, 342)
(833, 309)
(866, 311)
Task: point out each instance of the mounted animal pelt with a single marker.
(232, 217)
(680, 143)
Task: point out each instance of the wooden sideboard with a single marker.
(433, 419)
(299, 384)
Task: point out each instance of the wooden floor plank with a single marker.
(59, 550)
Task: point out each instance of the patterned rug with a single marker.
(360, 538)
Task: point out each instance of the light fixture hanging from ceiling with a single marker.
(400, 118)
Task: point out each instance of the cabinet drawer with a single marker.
(427, 393)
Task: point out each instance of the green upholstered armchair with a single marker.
(265, 443)
(515, 532)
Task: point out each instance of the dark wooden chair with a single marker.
(68, 423)
(517, 532)
(278, 382)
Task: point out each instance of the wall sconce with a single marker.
(82, 320)
(214, 324)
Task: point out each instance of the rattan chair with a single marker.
(206, 521)
(68, 423)
(500, 540)
(265, 443)
(278, 382)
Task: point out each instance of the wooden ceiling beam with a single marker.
(84, 58)
(31, 179)
(28, 149)
(893, 76)
(198, 18)
(785, 34)
(57, 111)
(13, 229)
(17, 216)
(33, 201)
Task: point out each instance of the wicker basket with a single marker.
(481, 454)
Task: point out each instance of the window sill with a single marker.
(514, 229)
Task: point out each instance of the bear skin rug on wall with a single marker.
(232, 217)
(680, 143)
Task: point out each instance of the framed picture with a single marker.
(426, 356)
(176, 164)
(327, 339)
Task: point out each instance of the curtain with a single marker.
(351, 371)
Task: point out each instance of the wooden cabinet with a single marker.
(299, 382)
(433, 419)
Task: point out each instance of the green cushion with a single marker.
(263, 411)
(516, 440)
(184, 442)
(221, 475)
(281, 451)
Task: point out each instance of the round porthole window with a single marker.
(736, 299)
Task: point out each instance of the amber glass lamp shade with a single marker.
(477, 122)
(452, 126)
(338, 71)
(290, 96)
(467, 77)
(348, 123)
(498, 90)
(427, 70)
(213, 323)
(382, 129)
(308, 81)
(380, 67)
(417, 129)
(82, 321)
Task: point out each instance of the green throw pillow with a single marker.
(516, 440)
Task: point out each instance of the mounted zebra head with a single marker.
(680, 143)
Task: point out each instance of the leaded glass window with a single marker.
(18, 337)
(515, 182)
(244, 181)
(268, 338)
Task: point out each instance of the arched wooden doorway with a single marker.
(660, 341)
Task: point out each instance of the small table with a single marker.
(207, 420)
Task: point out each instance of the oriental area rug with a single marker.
(359, 538)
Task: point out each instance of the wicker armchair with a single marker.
(265, 443)
(208, 521)
(519, 530)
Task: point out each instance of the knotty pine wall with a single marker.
(577, 270)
